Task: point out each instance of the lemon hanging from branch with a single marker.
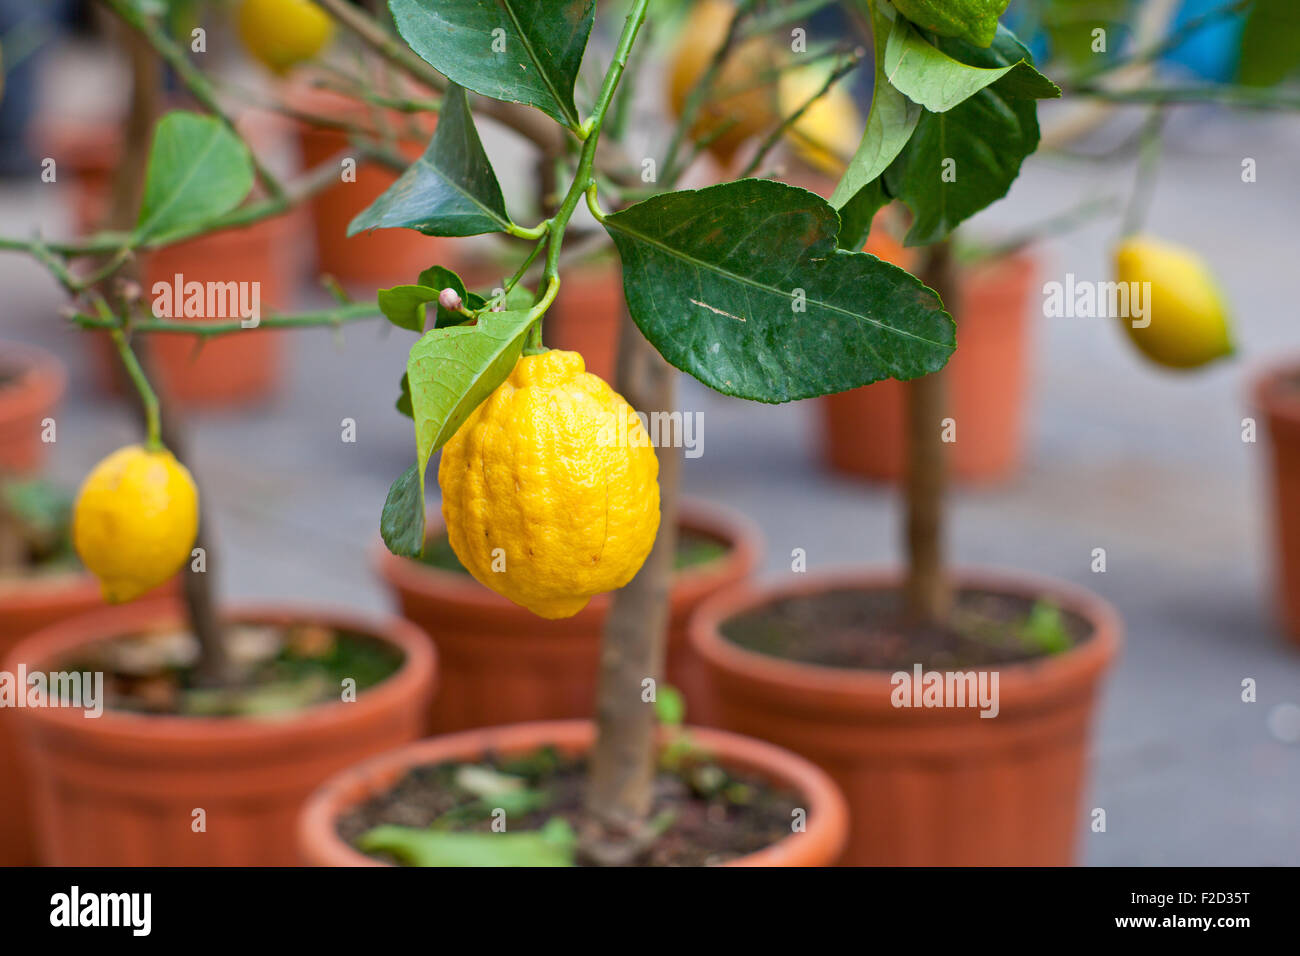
(1186, 323)
(283, 33)
(135, 520)
(550, 489)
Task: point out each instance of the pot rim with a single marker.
(417, 671)
(41, 380)
(744, 540)
(828, 813)
(1021, 683)
(1266, 389)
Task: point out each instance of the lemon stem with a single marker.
(148, 398)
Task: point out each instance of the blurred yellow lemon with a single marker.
(743, 100)
(281, 33)
(826, 134)
(135, 520)
(1186, 323)
(550, 489)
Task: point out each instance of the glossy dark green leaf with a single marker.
(893, 117)
(935, 80)
(452, 370)
(449, 191)
(198, 170)
(741, 285)
(960, 161)
(401, 524)
(521, 51)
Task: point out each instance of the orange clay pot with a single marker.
(28, 604)
(120, 790)
(927, 787)
(502, 664)
(818, 845)
(236, 368)
(31, 383)
(1276, 396)
(385, 256)
(586, 316)
(863, 428)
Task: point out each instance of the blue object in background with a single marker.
(1211, 51)
(23, 22)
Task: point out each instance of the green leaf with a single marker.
(403, 305)
(198, 170)
(741, 285)
(972, 20)
(552, 845)
(933, 79)
(440, 277)
(451, 371)
(403, 403)
(521, 51)
(982, 143)
(1270, 43)
(1045, 629)
(893, 117)
(402, 523)
(449, 191)
(670, 705)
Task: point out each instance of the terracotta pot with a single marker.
(863, 428)
(236, 368)
(503, 664)
(817, 846)
(120, 790)
(927, 787)
(586, 315)
(381, 257)
(85, 156)
(26, 606)
(31, 383)
(1276, 396)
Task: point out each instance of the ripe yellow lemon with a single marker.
(826, 134)
(743, 100)
(282, 33)
(135, 520)
(1188, 322)
(550, 489)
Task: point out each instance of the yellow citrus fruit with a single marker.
(135, 520)
(1188, 322)
(281, 33)
(826, 134)
(743, 100)
(550, 489)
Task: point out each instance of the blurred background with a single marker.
(1109, 452)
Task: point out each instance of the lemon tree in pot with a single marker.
(551, 491)
(212, 723)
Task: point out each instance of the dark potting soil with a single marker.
(707, 815)
(277, 670)
(867, 630)
(694, 549)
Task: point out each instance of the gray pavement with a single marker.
(1148, 465)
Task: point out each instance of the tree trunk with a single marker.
(128, 189)
(927, 590)
(619, 786)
